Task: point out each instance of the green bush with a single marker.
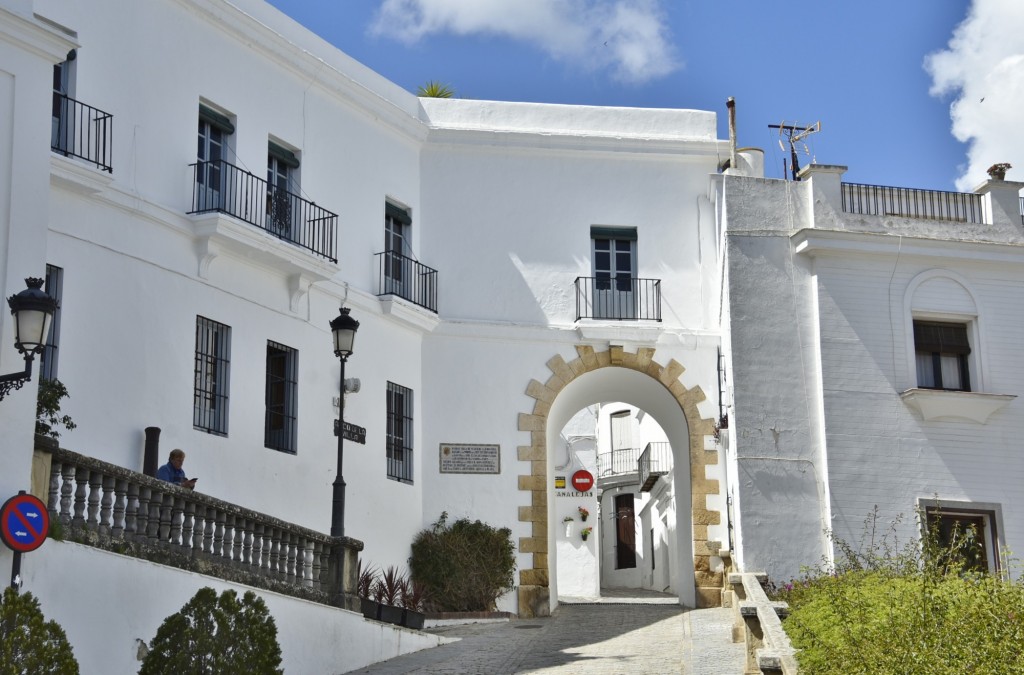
(48, 416)
(463, 567)
(28, 642)
(916, 609)
(216, 635)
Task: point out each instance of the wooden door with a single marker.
(625, 532)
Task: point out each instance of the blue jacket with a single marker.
(171, 475)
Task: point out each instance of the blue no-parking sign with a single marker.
(24, 523)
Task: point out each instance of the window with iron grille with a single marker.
(282, 398)
(942, 350)
(212, 371)
(399, 433)
(55, 289)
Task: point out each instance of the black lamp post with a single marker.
(344, 328)
(32, 310)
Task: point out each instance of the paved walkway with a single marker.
(615, 635)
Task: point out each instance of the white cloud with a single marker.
(983, 67)
(629, 38)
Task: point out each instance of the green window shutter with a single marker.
(397, 213)
(215, 119)
(283, 155)
(623, 233)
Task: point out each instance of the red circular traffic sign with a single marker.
(582, 480)
(24, 523)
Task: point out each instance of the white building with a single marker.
(510, 265)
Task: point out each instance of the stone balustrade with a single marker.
(113, 508)
(758, 624)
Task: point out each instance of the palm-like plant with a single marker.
(435, 89)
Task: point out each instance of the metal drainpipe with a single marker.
(731, 105)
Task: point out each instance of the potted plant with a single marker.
(364, 588)
(583, 514)
(388, 592)
(412, 603)
(585, 532)
(998, 171)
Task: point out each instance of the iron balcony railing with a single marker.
(617, 462)
(876, 200)
(407, 278)
(222, 187)
(81, 131)
(655, 461)
(620, 298)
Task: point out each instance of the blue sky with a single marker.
(865, 70)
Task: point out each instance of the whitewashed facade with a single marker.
(523, 218)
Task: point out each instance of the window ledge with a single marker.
(935, 404)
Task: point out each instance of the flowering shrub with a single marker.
(583, 513)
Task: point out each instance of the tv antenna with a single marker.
(795, 134)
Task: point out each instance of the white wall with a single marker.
(107, 603)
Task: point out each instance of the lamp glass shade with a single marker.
(32, 310)
(31, 326)
(344, 328)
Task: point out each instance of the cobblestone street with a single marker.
(613, 636)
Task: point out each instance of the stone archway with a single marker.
(534, 587)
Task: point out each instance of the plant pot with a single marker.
(369, 608)
(390, 614)
(584, 536)
(583, 518)
(413, 619)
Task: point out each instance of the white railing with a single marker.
(117, 509)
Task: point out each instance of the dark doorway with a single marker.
(625, 532)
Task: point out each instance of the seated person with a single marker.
(173, 473)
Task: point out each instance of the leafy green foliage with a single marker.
(463, 567)
(435, 89)
(216, 635)
(919, 608)
(28, 642)
(48, 408)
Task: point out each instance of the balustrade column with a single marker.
(198, 528)
(142, 514)
(314, 578)
(237, 535)
(53, 497)
(120, 508)
(106, 505)
(218, 535)
(247, 542)
(275, 551)
(95, 482)
(177, 518)
(166, 509)
(288, 556)
(156, 501)
(257, 547)
(81, 494)
(68, 473)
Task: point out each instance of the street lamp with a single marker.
(32, 310)
(344, 328)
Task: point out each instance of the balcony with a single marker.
(620, 298)
(617, 462)
(876, 200)
(219, 187)
(655, 461)
(116, 509)
(81, 131)
(406, 278)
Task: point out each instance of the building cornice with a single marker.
(36, 35)
(815, 243)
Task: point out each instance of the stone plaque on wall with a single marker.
(470, 458)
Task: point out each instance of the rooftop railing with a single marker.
(407, 278)
(619, 298)
(877, 200)
(81, 131)
(224, 188)
(114, 508)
